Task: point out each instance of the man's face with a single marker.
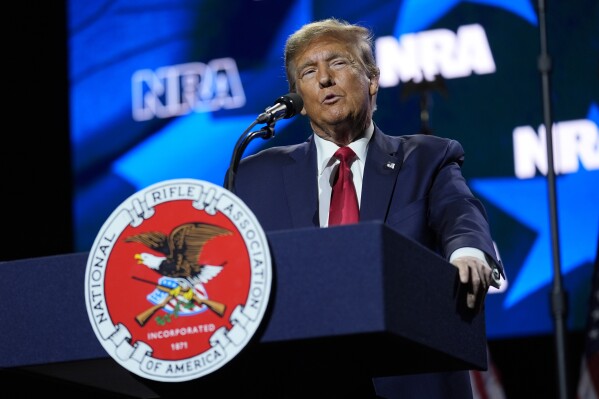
(336, 90)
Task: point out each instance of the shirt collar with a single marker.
(325, 148)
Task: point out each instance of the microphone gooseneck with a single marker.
(284, 107)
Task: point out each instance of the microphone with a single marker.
(284, 107)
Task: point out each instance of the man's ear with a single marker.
(374, 85)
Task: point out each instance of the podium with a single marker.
(346, 296)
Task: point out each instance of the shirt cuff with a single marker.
(469, 251)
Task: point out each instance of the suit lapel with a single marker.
(383, 162)
(302, 198)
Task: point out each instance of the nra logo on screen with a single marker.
(181, 89)
(424, 55)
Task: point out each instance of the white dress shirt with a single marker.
(327, 167)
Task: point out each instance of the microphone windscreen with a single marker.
(293, 103)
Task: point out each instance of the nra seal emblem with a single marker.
(178, 280)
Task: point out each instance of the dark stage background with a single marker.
(38, 184)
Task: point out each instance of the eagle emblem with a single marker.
(179, 260)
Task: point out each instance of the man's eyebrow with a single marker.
(305, 64)
(330, 56)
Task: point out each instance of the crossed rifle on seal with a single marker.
(180, 251)
(188, 295)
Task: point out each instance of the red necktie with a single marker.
(344, 201)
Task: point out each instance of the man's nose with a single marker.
(325, 79)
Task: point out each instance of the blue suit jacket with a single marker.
(412, 183)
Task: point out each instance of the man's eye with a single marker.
(308, 72)
(339, 63)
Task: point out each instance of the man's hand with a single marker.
(476, 276)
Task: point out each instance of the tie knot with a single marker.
(345, 154)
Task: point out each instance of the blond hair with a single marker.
(362, 38)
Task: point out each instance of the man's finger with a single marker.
(471, 300)
(463, 271)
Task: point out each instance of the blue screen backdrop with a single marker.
(163, 89)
